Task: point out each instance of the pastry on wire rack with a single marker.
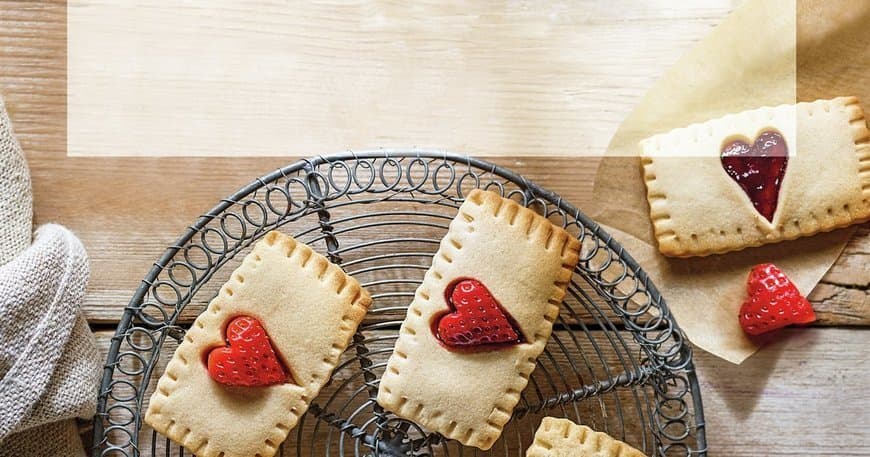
(563, 438)
(479, 320)
(254, 359)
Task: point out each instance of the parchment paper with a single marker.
(767, 52)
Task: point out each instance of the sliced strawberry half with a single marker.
(476, 319)
(248, 360)
(774, 302)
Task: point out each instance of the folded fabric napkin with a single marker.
(49, 363)
(16, 199)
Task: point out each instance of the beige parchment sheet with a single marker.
(767, 52)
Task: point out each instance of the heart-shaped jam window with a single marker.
(758, 168)
(475, 320)
(248, 360)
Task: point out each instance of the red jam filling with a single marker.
(475, 320)
(758, 168)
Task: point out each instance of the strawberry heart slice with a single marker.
(476, 319)
(758, 169)
(774, 302)
(248, 360)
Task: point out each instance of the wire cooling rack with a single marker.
(616, 361)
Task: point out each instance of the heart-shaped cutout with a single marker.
(475, 320)
(758, 168)
(248, 360)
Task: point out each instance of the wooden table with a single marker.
(804, 394)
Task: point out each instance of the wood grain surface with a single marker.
(483, 77)
(804, 394)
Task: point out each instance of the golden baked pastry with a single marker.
(563, 438)
(479, 320)
(758, 177)
(305, 307)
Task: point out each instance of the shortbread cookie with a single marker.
(286, 314)
(563, 438)
(479, 320)
(758, 177)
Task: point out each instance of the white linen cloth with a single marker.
(16, 199)
(49, 363)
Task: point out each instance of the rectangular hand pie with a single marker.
(757, 177)
(479, 320)
(265, 346)
(563, 438)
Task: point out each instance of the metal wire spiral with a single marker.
(616, 361)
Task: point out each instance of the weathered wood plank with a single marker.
(794, 397)
(843, 296)
(152, 202)
(805, 394)
(127, 210)
(841, 299)
(492, 77)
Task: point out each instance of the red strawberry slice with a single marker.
(774, 302)
(475, 319)
(248, 360)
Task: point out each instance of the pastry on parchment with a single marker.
(758, 177)
(563, 438)
(254, 359)
(479, 320)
